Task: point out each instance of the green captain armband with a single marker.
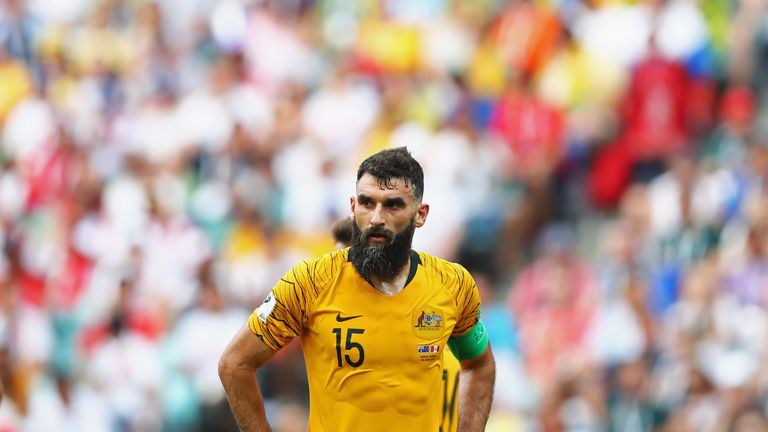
(470, 345)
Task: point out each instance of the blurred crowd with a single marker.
(600, 166)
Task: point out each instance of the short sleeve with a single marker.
(468, 302)
(282, 315)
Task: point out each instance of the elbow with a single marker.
(227, 366)
(234, 367)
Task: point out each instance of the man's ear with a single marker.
(352, 205)
(421, 215)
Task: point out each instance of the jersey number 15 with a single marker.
(349, 346)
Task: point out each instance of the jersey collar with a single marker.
(415, 261)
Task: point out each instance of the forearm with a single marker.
(476, 395)
(244, 396)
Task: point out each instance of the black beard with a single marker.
(381, 260)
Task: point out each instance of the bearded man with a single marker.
(374, 361)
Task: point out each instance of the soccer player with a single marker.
(342, 236)
(373, 321)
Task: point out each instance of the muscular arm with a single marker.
(237, 371)
(476, 391)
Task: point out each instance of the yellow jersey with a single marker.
(451, 369)
(374, 361)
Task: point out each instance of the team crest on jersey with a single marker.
(428, 322)
(266, 308)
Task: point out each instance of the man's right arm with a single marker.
(237, 371)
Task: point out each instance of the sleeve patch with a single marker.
(265, 309)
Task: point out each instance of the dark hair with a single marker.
(392, 164)
(342, 230)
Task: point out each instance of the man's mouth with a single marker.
(377, 238)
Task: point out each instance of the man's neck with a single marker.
(395, 284)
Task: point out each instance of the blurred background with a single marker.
(599, 166)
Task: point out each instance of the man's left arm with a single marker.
(470, 344)
(476, 391)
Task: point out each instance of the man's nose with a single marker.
(377, 218)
